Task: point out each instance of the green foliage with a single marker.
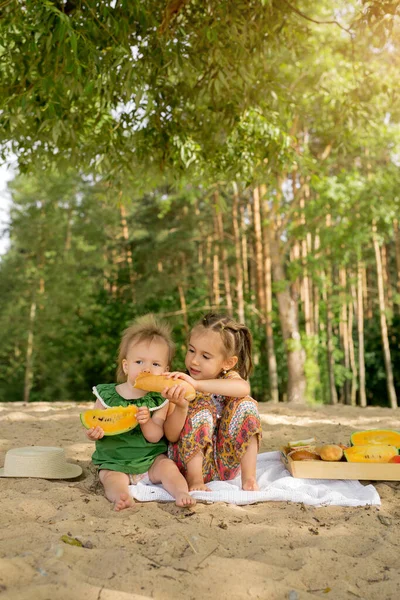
(154, 106)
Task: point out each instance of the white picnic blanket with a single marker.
(276, 484)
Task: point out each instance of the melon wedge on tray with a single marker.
(386, 437)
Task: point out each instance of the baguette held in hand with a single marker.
(158, 383)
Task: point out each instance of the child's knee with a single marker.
(203, 418)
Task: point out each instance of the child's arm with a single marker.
(152, 426)
(233, 388)
(96, 433)
(176, 419)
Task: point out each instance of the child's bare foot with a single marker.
(184, 499)
(125, 501)
(250, 485)
(198, 486)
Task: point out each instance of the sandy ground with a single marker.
(272, 551)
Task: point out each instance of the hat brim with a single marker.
(70, 472)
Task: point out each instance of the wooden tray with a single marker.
(320, 469)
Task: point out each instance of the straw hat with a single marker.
(39, 461)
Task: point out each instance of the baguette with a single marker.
(158, 383)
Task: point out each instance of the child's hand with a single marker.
(179, 375)
(95, 433)
(143, 415)
(176, 395)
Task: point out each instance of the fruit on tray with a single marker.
(330, 452)
(370, 453)
(112, 420)
(385, 437)
(298, 443)
(304, 454)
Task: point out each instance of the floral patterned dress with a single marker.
(221, 428)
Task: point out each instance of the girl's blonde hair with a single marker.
(236, 338)
(145, 328)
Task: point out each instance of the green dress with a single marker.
(128, 452)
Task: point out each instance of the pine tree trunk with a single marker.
(368, 296)
(252, 285)
(258, 251)
(245, 259)
(305, 282)
(272, 365)
(384, 331)
(344, 333)
(238, 255)
(29, 354)
(316, 290)
(360, 327)
(387, 285)
(216, 266)
(225, 264)
(216, 295)
(209, 271)
(353, 366)
(181, 268)
(288, 313)
(128, 251)
(68, 235)
(113, 279)
(329, 337)
(184, 309)
(397, 246)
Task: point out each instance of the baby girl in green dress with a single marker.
(139, 454)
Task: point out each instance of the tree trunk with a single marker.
(209, 272)
(181, 268)
(384, 331)
(329, 338)
(397, 246)
(258, 251)
(305, 283)
(316, 290)
(288, 313)
(251, 261)
(68, 235)
(245, 259)
(353, 366)
(368, 295)
(360, 327)
(29, 354)
(344, 333)
(216, 296)
(225, 264)
(238, 255)
(387, 285)
(272, 366)
(128, 251)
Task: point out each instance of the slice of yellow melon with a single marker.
(376, 436)
(113, 421)
(372, 453)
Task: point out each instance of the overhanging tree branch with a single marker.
(317, 22)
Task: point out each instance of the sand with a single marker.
(273, 550)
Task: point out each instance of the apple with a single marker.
(395, 459)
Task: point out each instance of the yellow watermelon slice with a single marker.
(113, 421)
(386, 437)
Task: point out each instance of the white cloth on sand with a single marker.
(276, 484)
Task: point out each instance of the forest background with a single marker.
(190, 156)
